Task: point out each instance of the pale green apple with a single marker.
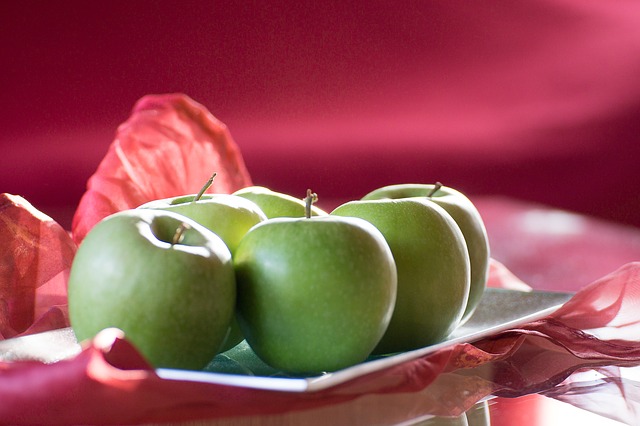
(433, 269)
(163, 279)
(277, 204)
(229, 216)
(463, 211)
(314, 294)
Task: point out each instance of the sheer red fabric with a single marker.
(35, 259)
(169, 146)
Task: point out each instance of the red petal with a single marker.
(169, 146)
(35, 258)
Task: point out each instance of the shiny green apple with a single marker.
(229, 216)
(163, 279)
(433, 269)
(277, 204)
(468, 219)
(314, 294)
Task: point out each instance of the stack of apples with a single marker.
(189, 277)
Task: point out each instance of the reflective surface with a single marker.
(611, 409)
(408, 410)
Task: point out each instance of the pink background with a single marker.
(538, 100)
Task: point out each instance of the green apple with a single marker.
(314, 294)
(277, 204)
(163, 279)
(229, 216)
(433, 269)
(468, 219)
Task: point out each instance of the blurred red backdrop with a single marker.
(538, 101)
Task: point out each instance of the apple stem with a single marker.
(179, 235)
(206, 186)
(435, 189)
(311, 198)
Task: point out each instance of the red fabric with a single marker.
(169, 146)
(35, 259)
(109, 373)
(610, 395)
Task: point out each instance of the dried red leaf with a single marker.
(35, 259)
(169, 146)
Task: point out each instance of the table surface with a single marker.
(405, 410)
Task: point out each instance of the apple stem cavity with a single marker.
(179, 235)
(206, 186)
(435, 189)
(311, 198)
